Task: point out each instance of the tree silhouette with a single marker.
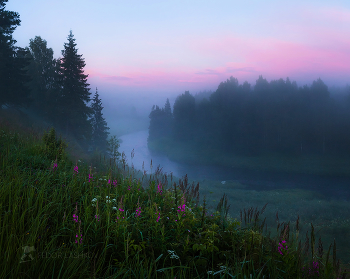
(275, 118)
(13, 76)
(99, 125)
(161, 122)
(75, 94)
(184, 116)
(42, 72)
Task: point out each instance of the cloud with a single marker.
(208, 72)
(243, 69)
(118, 78)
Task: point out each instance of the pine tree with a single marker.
(13, 76)
(75, 96)
(99, 125)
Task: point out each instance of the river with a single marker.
(330, 187)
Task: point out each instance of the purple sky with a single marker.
(167, 47)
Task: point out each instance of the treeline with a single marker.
(273, 117)
(55, 89)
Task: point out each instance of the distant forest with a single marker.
(55, 89)
(276, 117)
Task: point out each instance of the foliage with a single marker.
(113, 145)
(13, 76)
(54, 147)
(161, 121)
(55, 89)
(99, 125)
(273, 118)
(184, 116)
(74, 111)
(73, 222)
(42, 72)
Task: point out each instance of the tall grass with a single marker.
(62, 218)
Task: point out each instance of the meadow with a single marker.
(68, 214)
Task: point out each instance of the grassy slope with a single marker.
(38, 202)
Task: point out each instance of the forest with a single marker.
(56, 90)
(275, 117)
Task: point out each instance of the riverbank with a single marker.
(298, 164)
(67, 219)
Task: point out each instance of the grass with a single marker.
(63, 218)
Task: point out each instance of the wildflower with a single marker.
(76, 169)
(173, 255)
(159, 191)
(181, 207)
(314, 270)
(97, 217)
(93, 201)
(81, 239)
(138, 212)
(75, 217)
(90, 177)
(54, 166)
(280, 247)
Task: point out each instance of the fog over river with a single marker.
(330, 187)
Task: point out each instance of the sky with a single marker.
(168, 47)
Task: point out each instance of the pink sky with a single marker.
(193, 45)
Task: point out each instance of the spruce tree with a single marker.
(42, 72)
(13, 76)
(99, 125)
(75, 95)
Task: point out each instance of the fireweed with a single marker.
(166, 222)
(281, 247)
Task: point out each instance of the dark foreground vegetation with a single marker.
(62, 218)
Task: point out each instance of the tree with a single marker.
(99, 125)
(184, 116)
(42, 72)
(113, 145)
(156, 116)
(161, 121)
(168, 119)
(13, 77)
(75, 96)
(167, 107)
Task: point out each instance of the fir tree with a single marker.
(42, 72)
(99, 125)
(167, 108)
(161, 121)
(13, 77)
(75, 96)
